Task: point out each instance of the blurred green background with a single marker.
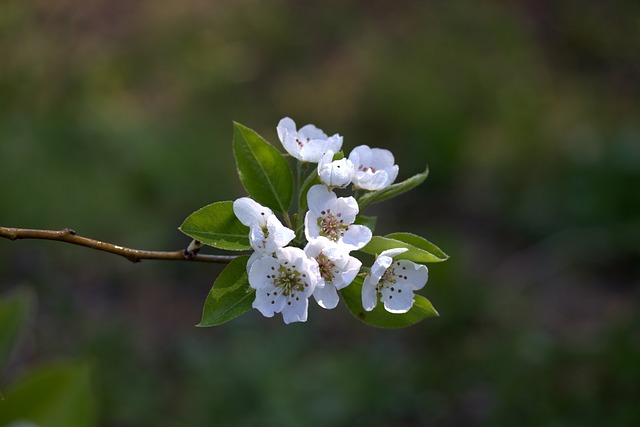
(115, 120)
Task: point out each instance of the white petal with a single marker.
(250, 212)
(326, 296)
(269, 301)
(369, 295)
(317, 245)
(319, 197)
(285, 126)
(392, 174)
(254, 256)
(334, 143)
(311, 227)
(398, 300)
(297, 311)
(381, 158)
(260, 269)
(347, 208)
(414, 275)
(312, 132)
(380, 266)
(278, 233)
(360, 156)
(257, 240)
(349, 272)
(393, 252)
(313, 150)
(356, 237)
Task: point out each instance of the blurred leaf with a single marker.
(216, 225)
(393, 190)
(52, 396)
(369, 221)
(230, 295)
(380, 317)
(263, 171)
(420, 249)
(14, 310)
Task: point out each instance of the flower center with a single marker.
(331, 226)
(289, 280)
(364, 168)
(301, 142)
(326, 267)
(388, 279)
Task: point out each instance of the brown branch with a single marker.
(134, 255)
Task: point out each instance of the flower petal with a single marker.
(415, 275)
(312, 132)
(369, 295)
(260, 272)
(397, 298)
(326, 296)
(269, 301)
(319, 197)
(250, 212)
(295, 310)
(356, 237)
(347, 208)
(278, 233)
(285, 126)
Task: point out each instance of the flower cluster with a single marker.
(286, 268)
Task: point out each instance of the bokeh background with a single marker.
(115, 119)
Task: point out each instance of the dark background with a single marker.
(115, 120)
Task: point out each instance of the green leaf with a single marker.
(216, 225)
(393, 190)
(263, 171)
(420, 249)
(53, 396)
(230, 295)
(381, 318)
(14, 311)
(369, 221)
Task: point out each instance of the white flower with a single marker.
(336, 267)
(284, 284)
(337, 173)
(395, 281)
(332, 217)
(375, 168)
(266, 232)
(308, 143)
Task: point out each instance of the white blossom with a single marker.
(375, 168)
(332, 217)
(336, 267)
(266, 232)
(394, 281)
(284, 284)
(338, 173)
(307, 143)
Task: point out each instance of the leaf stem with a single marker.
(68, 235)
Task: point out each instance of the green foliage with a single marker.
(393, 190)
(14, 311)
(381, 318)
(263, 171)
(52, 396)
(230, 295)
(420, 249)
(216, 225)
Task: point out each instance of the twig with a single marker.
(134, 255)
